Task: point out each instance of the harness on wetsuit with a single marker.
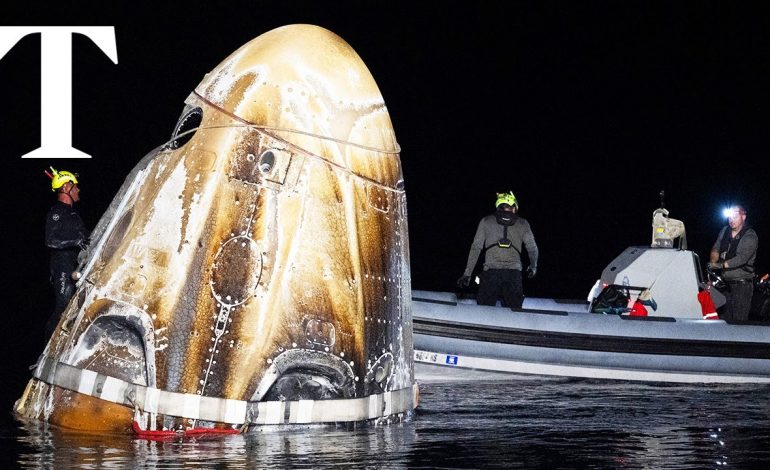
(506, 219)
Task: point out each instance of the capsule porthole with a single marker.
(185, 127)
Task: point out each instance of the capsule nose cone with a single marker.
(304, 79)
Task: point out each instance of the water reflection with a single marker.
(563, 423)
(45, 446)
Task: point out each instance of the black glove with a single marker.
(464, 281)
(83, 244)
(531, 271)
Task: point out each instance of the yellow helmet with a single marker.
(506, 198)
(60, 178)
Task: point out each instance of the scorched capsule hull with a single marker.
(253, 270)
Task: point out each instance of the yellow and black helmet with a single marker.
(506, 198)
(60, 178)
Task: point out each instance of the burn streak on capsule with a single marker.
(253, 270)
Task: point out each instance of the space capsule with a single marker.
(252, 271)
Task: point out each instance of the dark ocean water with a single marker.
(526, 422)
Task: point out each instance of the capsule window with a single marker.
(186, 126)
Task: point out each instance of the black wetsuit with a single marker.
(65, 236)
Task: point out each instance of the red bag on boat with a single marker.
(707, 307)
(638, 310)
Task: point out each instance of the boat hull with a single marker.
(559, 342)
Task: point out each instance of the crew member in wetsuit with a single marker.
(734, 253)
(502, 235)
(65, 237)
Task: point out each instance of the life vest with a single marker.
(707, 307)
(729, 246)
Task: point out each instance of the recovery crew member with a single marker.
(734, 253)
(65, 237)
(501, 235)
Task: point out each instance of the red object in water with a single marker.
(162, 435)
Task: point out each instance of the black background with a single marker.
(586, 110)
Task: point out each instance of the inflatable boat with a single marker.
(676, 338)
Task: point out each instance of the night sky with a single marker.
(586, 110)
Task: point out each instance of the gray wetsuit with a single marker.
(502, 266)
